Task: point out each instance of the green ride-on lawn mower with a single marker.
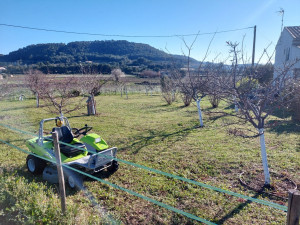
(90, 154)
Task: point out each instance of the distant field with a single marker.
(129, 83)
(151, 133)
(128, 77)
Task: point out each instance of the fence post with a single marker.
(60, 173)
(293, 213)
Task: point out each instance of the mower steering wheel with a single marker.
(81, 131)
(75, 132)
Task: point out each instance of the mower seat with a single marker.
(65, 135)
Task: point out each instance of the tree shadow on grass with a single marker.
(208, 109)
(17, 108)
(213, 116)
(280, 127)
(241, 206)
(165, 108)
(298, 147)
(156, 136)
(12, 141)
(104, 174)
(232, 106)
(282, 113)
(78, 116)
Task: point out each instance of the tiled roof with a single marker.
(294, 31)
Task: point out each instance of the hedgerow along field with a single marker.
(151, 133)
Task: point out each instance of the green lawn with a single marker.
(151, 133)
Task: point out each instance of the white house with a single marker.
(288, 51)
(2, 69)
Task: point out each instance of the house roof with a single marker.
(294, 31)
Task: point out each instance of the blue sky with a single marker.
(155, 17)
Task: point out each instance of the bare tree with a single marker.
(58, 93)
(117, 76)
(168, 89)
(214, 97)
(193, 82)
(193, 86)
(215, 72)
(149, 87)
(186, 98)
(4, 88)
(255, 100)
(295, 105)
(35, 82)
(92, 85)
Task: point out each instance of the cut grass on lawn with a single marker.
(151, 133)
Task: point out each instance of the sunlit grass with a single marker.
(151, 133)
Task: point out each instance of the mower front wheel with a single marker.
(114, 166)
(35, 165)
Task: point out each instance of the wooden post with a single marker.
(60, 173)
(293, 214)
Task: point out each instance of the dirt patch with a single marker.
(280, 183)
(4, 117)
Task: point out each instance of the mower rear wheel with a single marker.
(114, 166)
(71, 182)
(35, 165)
(74, 180)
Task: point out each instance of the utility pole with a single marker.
(253, 49)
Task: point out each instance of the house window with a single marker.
(287, 54)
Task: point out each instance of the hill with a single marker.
(115, 53)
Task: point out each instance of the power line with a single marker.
(121, 35)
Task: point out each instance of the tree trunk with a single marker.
(199, 112)
(91, 105)
(37, 100)
(264, 156)
(126, 93)
(236, 107)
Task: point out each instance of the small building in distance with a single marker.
(2, 70)
(288, 51)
